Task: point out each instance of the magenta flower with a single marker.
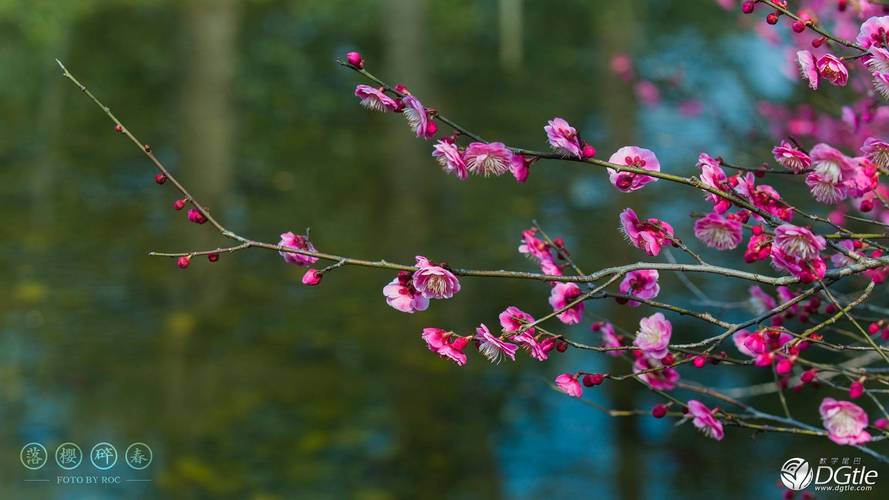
(791, 158)
(873, 32)
(520, 167)
(703, 419)
(568, 384)
(512, 319)
(642, 283)
(298, 242)
(648, 236)
(532, 246)
(402, 296)
(433, 281)
(808, 68)
(763, 197)
(417, 117)
(877, 151)
(632, 156)
(797, 242)
(758, 248)
(761, 342)
(760, 300)
(808, 271)
(660, 377)
(718, 232)
(492, 158)
(833, 70)
(492, 347)
(375, 99)
(610, 338)
(653, 336)
(563, 138)
(446, 344)
(845, 422)
(829, 169)
(713, 176)
(450, 158)
(563, 294)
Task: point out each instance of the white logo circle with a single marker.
(103, 456)
(68, 456)
(796, 474)
(138, 456)
(33, 456)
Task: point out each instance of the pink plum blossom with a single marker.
(642, 283)
(375, 99)
(873, 32)
(791, 158)
(433, 281)
(829, 170)
(492, 347)
(299, 242)
(653, 373)
(845, 422)
(563, 294)
(402, 296)
(808, 68)
(653, 336)
(417, 117)
(636, 157)
(763, 197)
(798, 242)
(702, 418)
(610, 338)
(760, 300)
(877, 151)
(568, 384)
(563, 138)
(833, 70)
(648, 236)
(491, 158)
(446, 344)
(512, 319)
(450, 158)
(713, 176)
(758, 248)
(718, 232)
(520, 167)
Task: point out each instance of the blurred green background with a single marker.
(247, 384)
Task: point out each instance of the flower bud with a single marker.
(355, 59)
(183, 262)
(312, 277)
(660, 410)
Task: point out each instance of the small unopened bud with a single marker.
(591, 379)
(660, 410)
(798, 26)
(856, 389)
(118, 128)
(312, 277)
(160, 178)
(431, 128)
(195, 215)
(772, 18)
(588, 151)
(808, 376)
(700, 361)
(179, 204)
(562, 346)
(212, 257)
(183, 262)
(784, 367)
(355, 59)
(881, 423)
(873, 328)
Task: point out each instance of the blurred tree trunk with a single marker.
(511, 34)
(615, 28)
(209, 59)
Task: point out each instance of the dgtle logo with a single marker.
(796, 474)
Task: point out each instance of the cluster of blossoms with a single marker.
(739, 206)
